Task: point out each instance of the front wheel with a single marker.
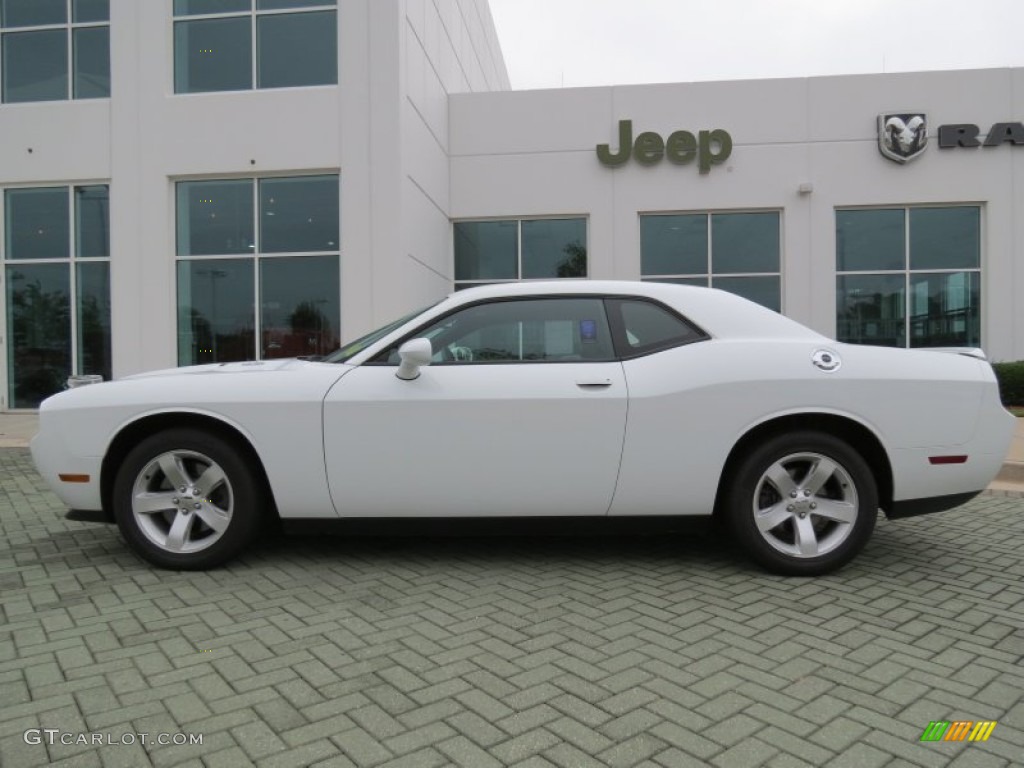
(185, 499)
(802, 504)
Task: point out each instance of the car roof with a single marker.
(719, 313)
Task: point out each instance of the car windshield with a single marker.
(353, 348)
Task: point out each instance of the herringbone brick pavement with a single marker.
(517, 651)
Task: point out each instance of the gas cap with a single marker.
(826, 360)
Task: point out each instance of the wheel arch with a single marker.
(859, 437)
(130, 434)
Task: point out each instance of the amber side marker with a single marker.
(947, 459)
(73, 478)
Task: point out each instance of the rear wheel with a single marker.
(185, 499)
(802, 504)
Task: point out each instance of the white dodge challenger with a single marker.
(557, 399)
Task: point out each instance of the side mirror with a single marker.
(414, 354)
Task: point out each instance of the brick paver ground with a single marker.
(525, 651)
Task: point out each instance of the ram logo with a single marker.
(903, 136)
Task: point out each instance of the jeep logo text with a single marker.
(681, 147)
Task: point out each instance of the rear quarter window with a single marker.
(645, 327)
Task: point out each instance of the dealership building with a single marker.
(191, 181)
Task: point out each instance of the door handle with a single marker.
(593, 383)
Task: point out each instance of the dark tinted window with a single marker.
(649, 327)
(297, 49)
(871, 240)
(35, 66)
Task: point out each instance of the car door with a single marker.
(521, 412)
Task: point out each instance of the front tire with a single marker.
(802, 504)
(185, 499)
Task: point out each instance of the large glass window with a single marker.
(519, 249)
(216, 217)
(258, 269)
(56, 253)
(737, 252)
(234, 45)
(216, 320)
(54, 49)
(909, 276)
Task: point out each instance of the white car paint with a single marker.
(275, 405)
(689, 406)
(525, 439)
(476, 440)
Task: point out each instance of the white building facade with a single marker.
(191, 181)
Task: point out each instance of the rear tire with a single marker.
(185, 499)
(802, 504)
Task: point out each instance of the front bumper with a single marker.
(52, 458)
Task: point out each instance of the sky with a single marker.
(568, 43)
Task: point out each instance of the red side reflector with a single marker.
(74, 478)
(947, 459)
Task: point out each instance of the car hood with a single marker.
(205, 387)
(248, 366)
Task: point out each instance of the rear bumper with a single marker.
(926, 506)
(917, 479)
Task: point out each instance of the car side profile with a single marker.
(568, 399)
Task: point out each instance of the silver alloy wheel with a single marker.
(182, 501)
(805, 505)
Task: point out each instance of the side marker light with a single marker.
(947, 459)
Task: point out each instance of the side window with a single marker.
(648, 327)
(529, 330)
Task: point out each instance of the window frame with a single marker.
(611, 303)
(907, 272)
(461, 284)
(253, 14)
(69, 26)
(73, 260)
(255, 256)
(708, 277)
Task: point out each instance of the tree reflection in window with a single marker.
(39, 320)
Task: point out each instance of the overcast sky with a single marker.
(554, 43)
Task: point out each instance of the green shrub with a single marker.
(1011, 382)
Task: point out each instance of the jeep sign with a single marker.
(681, 147)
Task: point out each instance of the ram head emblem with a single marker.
(903, 136)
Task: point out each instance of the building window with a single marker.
(56, 253)
(909, 276)
(519, 249)
(737, 252)
(270, 245)
(232, 45)
(54, 49)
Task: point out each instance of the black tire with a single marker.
(235, 504)
(787, 525)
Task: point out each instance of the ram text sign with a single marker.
(966, 135)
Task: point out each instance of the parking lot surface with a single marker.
(508, 651)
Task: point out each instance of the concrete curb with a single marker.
(1012, 472)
